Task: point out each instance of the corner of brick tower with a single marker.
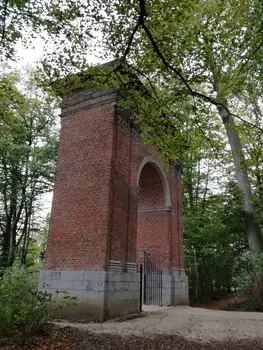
(103, 212)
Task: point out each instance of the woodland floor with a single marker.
(75, 339)
(160, 328)
(221, 303)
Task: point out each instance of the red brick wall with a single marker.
(94, 212)
(151, 192)
(153, 237)
(121, 190)
(80, 212)
(176, 220)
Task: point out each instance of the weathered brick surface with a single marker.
(80, 211)
(153, 236)
(151, 193)
(97, 192)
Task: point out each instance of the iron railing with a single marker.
(152, 282)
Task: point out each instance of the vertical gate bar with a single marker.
(160, 288)
(161, 304)
(153, 282)
(155, 275)
(150, 279)
(141, 287)
(144, 278)
(147, 277)
(158, 284)
(151, 295)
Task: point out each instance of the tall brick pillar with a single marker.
(101, 195)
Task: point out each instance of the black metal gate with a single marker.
(152, 282)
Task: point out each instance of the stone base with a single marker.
(180, 292)
(100, 294)
(175, 288)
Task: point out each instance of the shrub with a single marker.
(23, 309)
(250, 280)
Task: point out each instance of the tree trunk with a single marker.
(196, 281)
(12, 244)
(259, 184)
(4, 249)
(25, 240)
(255, 240)
(208, 275)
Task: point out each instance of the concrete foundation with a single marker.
(101, 295)
(175, 288)
(180, 292)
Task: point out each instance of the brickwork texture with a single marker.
(113, 196)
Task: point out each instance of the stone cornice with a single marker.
(87, 99)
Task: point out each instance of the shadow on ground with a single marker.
(74, 339)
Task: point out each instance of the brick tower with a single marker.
(113, 199)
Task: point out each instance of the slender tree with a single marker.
(27, 160)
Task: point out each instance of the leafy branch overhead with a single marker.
(141, 22)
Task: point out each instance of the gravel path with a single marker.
(191, 323)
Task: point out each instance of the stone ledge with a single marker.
(88, 100)
(131, 267)
(150, 210)
(115, 265)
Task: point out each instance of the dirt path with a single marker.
(191, 323)
(221, 303)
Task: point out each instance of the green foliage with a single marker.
(239, 306)
(37, 246)
(24, 309)
(214, 229)
(249, 279)
(217, 259)
(23, 21)
(28, 147)
(213, 241)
